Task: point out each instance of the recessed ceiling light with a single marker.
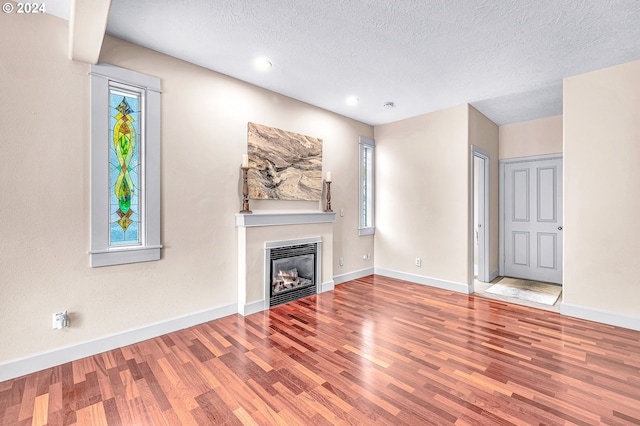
(352, 100)
(262, 64)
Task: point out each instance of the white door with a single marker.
(533, 220)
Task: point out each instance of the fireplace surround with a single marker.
(259, 231)
(292, 270)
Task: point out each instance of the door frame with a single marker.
(502, 164)
(484, 197)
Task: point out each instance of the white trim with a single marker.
(544, 157)
(125, 249)
(19, 367)
(327, 286)
(366, 143)
(494, 274)
(501, 220)
(111, 72)
(283, 218)
(251, 308)
(603, 317)
(343, 278)
(483, 275)
(121, 257)
(366, 231)
(296, 242)
(421, 279)
(101, 253)
(242, 267)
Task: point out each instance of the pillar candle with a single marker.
(245, 160)
(328, 177)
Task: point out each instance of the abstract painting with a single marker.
(283, 165)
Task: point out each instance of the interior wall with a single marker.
(484, 134)
(44, 117)
(530, 138)
(422, 195)
(601, 191)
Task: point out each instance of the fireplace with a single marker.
(291, 270)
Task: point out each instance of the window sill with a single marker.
(126, 255)
(366, 231)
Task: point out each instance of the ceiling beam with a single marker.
(87, 26)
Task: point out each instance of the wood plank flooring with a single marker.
(374, 351)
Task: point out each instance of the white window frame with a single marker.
(366, 146)
(101, 254)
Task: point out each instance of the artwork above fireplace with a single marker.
(283, 165)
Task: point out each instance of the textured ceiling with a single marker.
(505, 57)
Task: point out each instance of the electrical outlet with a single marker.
(60, 320)
(368, 256)
(341, 262)
(418, 262)
(341, 212)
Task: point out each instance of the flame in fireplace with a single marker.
(285, 279)
(289, 277)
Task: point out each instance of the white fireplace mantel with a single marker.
(283, 218)
(256, 231)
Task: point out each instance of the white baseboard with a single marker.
(339, 279)
(421, 279)
(30, 364)
(494, 274)
(327, 286)
(604, 317)
(251, 308)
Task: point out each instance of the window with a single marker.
(125, 166)
(367, 189)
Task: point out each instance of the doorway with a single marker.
(531, 218)
(480, 214)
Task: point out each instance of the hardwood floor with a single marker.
(374, 351)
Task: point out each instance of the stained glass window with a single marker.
(124, 167)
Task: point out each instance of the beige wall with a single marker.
(529, 138)
(422, 195)
(601, 190)
(44, 119)
(483, 133)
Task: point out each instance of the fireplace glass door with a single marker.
(292, 273)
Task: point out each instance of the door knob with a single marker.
(559, 228)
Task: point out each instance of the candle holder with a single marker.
(245, 191)
(328, 209)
